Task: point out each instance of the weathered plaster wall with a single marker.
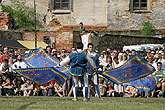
(90, 12)
(119, 15)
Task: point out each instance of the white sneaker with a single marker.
(85, 100)
(75, 99)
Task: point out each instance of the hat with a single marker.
(120, 54)
(69, 51)
(26, 52)
(156, 56)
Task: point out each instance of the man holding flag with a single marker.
(78, 62)
(91, 73)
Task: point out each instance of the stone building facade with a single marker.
(60, 18)
(115, 14)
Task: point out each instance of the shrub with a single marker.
(147, 29)
(23, 16)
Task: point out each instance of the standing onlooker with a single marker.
(124, 59)
(134, 52)
(109, 64)
(150, 60)
(118, 88)
(81, 29)
(156, 59)
(162, 60)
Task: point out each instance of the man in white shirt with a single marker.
(5, 69)
(19, 64)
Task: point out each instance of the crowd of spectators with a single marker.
(13, 84)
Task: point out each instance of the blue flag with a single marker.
(134, 68)
(43, 75)
(41, 59)
(144, 84)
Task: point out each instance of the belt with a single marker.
(90, 69)
(77, 67)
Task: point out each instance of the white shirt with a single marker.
(19, 65)
(2, 68)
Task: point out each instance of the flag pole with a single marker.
(35, 24)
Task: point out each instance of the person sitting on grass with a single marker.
(1, 82)
(27, 88)
(110, 90)
(35, 89)
(130, 91)
(8, 87)
(47, 89)
(17, 86)
(58, 90)
(161, 74)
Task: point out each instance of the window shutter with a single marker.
(52, 5)
(131, 5)
(71, 5)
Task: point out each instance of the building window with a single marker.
(139, 4)
(61, 4)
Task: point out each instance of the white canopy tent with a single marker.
(142, 47)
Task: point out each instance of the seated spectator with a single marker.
(103, 85)
(58, 89)
(27, 88)
(1, 82)
(110, 90)
(130, 91)
(157, 92)
(35, 90)
(17, 86)
(47, 89)
(20, 64)
(159, 73)
(5, 69)
(8, 87)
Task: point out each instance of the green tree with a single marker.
(23, 16)
(147, 29)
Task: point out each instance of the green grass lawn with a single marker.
(65, 103)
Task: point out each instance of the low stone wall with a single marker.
(118, 41)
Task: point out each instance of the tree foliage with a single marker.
(23, 16)
(147, 29)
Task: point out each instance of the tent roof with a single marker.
(31, 44)
(12, 44)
